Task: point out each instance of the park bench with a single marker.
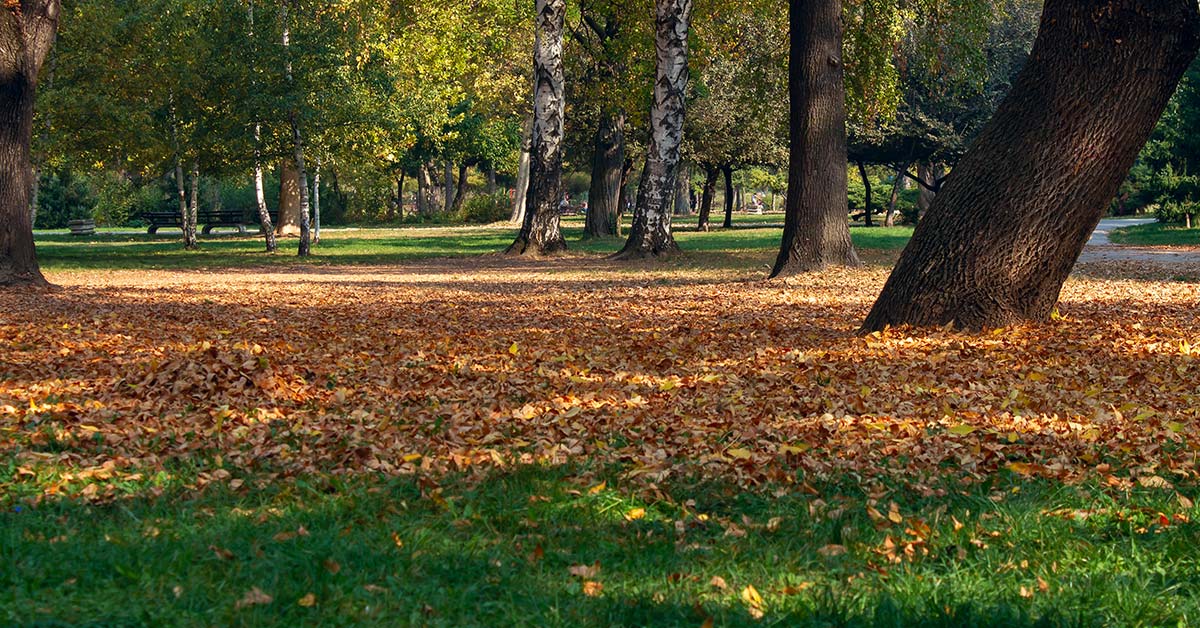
(208, 218)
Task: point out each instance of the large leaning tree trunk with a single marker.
(650, 235)
(607, 161)
(26, 35)
(1006, 228)
(815, 230)
(539, 233)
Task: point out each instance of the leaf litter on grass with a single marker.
(462, 365)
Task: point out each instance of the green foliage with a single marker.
(1167, 173)
(483, 209)
(62, 197)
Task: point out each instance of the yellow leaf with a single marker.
(308, 601)
(591, 588)
(595, 490)
(412, 457)
(636, 513)
(794, 449)
(514, 349)
(740, 454)
(1176, 426)
(962, 430)
(750, 596)
(1021, 468)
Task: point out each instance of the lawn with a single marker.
(1156, 234)
(396, 433)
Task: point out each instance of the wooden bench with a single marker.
(220, 218)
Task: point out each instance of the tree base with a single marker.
(525, 248)
(632, 253)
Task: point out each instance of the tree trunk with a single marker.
(297, 139)
(302, 249)
(928, 175)
(608, 158)
(1009, 223)
(522, 185)
(400, 195)
(539, 233)
(189, 238)
(491, 179)
(460, 194)
(730, 196)
(706, 199)
(815, 232)
(260, 195)
(35, 186)
(448, 185)
(866, 181)
(651, 231)
(193, 211)
(623, 199)
(316, 203)
(683, 203)
(289, 199)
(889, 220)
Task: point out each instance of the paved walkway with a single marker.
(1100, 249)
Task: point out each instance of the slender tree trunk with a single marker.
(522, 186)
(491, 178)
(623, 199)
(400, 195)
(260, 195)
(448, 185)
(1010, 222)
(651, 231)
(34, 192)
(297, 138)
(711, 173)
(866, 181)
(189, 238)
(889, 220)
(608, 160)
(193, 212)
(730, 196)
(815, 233)
(460, 194)
(683, 203)
(298, 149)
(316, 203)
(540, 233)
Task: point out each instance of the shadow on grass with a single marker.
(500, 552)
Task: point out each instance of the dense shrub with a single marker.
(484, 209)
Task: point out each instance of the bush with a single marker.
(63, 197)
(484, 209)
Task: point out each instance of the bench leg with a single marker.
(206, 230)
(152, 230)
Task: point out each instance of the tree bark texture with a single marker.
(1007, 226)
(193, 209)
(260, 194)
(650, 234)
(711, 173)
(868, 221)
(683, 188)
(302, 249)
(730, 196)
(928, 175)
(316, 203)
(540, 233)
(448, 185)
(605, 193)
(623, 199)
(460, 192)
(522, 185)
(815, 232)
(289, 199)
(27, 31)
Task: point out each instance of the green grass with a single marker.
(123, 251)
(389, 552)
(1156, 234)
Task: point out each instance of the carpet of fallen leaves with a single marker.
(472, 364)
